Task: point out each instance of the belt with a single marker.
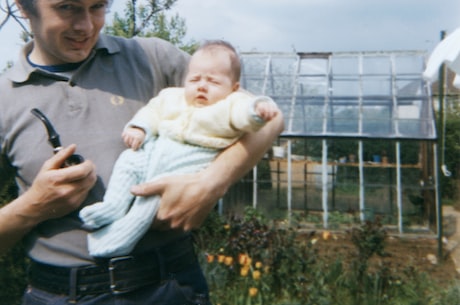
(116, 275)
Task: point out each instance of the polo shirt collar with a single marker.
(22, 70)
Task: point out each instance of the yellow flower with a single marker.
(256, 275)
(253, 291)
(244, 259)
(244, 271)
(228, 260)
(313, 241)
(220, 258)
(258, 265)
(267, 269)
(227, 227)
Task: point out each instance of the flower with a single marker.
(220, 258)
(244, 271)
(244, 260)
(227, 227)
(326, 235)
(253, 292)
(256, 275)
(210, 258)
(258, 265)
(228, 260)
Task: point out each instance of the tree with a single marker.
(10, 10)
(149, 19)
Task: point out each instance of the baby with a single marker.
(179, 131)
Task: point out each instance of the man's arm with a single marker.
(187, 199)
(54, 193)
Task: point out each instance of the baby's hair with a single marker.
(211, 45)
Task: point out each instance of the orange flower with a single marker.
(210, 258)
(253, 292)
(228, 260)
(220, 258)
(326, 235)
(256, 275)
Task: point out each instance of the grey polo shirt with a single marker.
(89, 109)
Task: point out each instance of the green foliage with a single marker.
(247, 261)
(150, 20)
(12, 264)
(451, 153)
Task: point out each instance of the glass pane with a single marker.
(361, 94)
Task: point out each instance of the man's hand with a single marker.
(58, 191)
(55, 192)
(186, 200)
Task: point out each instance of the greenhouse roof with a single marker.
(353, 94)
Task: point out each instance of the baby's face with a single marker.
(209, 78)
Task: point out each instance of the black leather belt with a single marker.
(116, 275)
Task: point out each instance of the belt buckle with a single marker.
(113, 262)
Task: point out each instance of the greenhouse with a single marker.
(359, 140)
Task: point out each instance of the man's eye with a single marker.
(66, 7)
(100, 6)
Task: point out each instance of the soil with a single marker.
(406, 250)
(400, 254)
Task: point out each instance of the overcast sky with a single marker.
(303, 25)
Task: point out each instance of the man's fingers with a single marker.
(59, 158)
(148, 189)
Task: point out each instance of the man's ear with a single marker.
(236, 86)
(21, 9)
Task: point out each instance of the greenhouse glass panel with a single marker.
(360, 94)
(346, 86)
(376, 65)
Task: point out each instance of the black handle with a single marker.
(53, 139)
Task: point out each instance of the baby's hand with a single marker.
(266, 110)
(133, 137)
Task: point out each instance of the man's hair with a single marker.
(30, 6)
(211, 45)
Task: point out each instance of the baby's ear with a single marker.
(236, 86)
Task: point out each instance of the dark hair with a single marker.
(209, 45)
(30, 6)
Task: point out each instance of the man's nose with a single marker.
(84, 21)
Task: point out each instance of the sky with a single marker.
(302, 25)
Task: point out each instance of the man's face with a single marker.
(65, 31)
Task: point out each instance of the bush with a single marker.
(12, 264)
(247, 261)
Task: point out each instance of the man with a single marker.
(89, 85)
